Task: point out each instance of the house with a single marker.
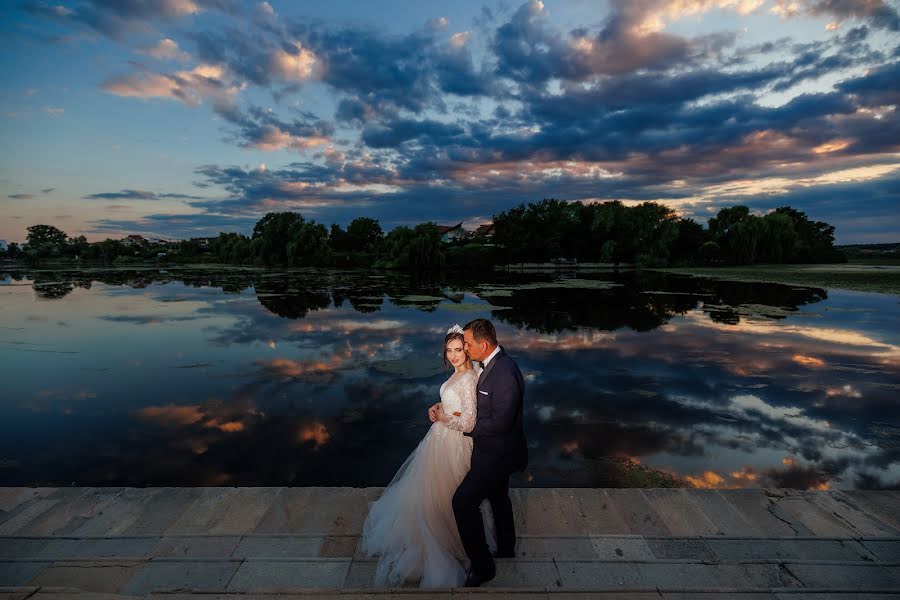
(485, 231)
(158, 241)
(450, 233)
(134, 240)
(3, 246)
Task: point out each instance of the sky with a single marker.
(186, 118)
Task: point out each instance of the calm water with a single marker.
(193, 377)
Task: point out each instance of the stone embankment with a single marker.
(243, 543)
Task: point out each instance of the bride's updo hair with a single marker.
(453, 335)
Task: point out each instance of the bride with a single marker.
(412, 527)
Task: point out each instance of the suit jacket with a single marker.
(499, 431)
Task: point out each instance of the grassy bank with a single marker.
(861, 276)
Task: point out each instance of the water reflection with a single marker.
(252, 377)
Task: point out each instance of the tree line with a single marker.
(648, 234)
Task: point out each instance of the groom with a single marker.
(499, 450)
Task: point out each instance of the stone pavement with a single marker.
(247, 543)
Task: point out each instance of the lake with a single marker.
(256, 377)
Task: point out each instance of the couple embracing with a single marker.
(448, 505)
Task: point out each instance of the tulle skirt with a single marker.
(411, 527)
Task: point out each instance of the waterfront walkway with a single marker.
(247, 543)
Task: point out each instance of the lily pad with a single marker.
(414, 298)
(495, 293)
(468, 307)
(568, 284)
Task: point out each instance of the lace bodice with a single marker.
(458, 395)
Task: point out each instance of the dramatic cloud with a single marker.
(167, 49)
(457, 120)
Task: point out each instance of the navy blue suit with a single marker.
(499, 450)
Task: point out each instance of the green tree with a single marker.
(654, 227)
(308, 246)
(778, 238)
(77, 247)
(271, 236)
(45, 241)
(363, 234)
(815, 239)
(417, 249)
(686, 247)
(337, 237)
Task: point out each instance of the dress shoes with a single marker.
(475, 579)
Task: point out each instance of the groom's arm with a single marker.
(504, 408)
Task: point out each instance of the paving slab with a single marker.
(680, 548)
(679, 512)
(193, 574)
(67, 594)
(324, 511)
(621, 548)
(100, 547)
(856, 518)
(547, 511)
(20, 572)
(563, 548)
(600, 514)
(261, 575)
(226, 511)
(281, 596)
(761, 512)
(361, 574)
(639, 516)
(70, 512)
(884, 550)
(814, 518)
(723, 515)
(339, 546)
(13, 497)
(482, 594)
(22, 515)
(120, 513)
(278, 547)
(673, 575)
(572, 508)
(167, 506)
(731, 595)
(522, 573)
(89, 576)
(23, 594)
(206, 545)
(13, 547)
(602, 595)
(805, 549)
(882, 504)
(845, 595)
(845, 576)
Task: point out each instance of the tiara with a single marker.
(455, 329)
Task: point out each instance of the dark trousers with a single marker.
(484, 481)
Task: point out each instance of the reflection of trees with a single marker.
(291, 297)
(51, 286)
(644, 301)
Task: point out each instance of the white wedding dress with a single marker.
(411, 527)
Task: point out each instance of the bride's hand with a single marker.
(433, 412)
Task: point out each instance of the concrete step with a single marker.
(559, 547)
(137, 576)
(51, 593)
